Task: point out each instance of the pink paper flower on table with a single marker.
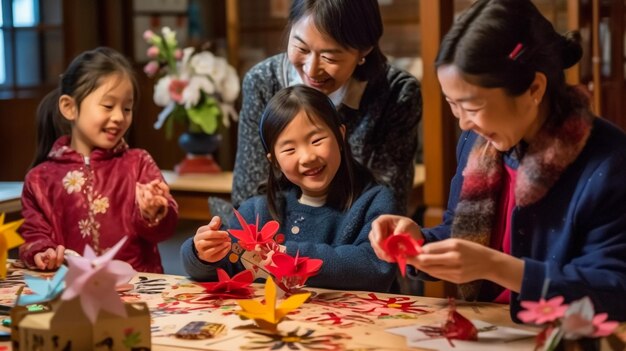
(250, 238)
(236, 287)
(93, 280)
(542, 311)
(401, 246)
(579, 321)
(293, 271)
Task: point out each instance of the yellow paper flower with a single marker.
(267, 316)
(8, 240)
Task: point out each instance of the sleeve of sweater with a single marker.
(597, 267)
(393, 159)
(350, 262)
(251, 167)
(37, 231)
(149, 171)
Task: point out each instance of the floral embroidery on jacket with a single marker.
(74, 181)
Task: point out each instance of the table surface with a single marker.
(330, 319)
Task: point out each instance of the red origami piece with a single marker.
(456, 327)
(236, 287)
(292, 272)
(249, 236)
(401, 246)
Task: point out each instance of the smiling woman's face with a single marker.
(502, 119)
(321, 62)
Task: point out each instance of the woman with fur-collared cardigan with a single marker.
(537, 207)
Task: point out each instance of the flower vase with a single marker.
(199, 148)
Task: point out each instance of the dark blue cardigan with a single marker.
(339, 238)
(576, 234)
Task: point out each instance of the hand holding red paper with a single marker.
(250, 238)
(386, 226)
(401, 246)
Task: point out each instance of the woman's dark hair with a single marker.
(83, 76)
(353, 24)
(351, 178)
(503, 43)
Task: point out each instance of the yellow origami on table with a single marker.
(267, 316)
(8, 240)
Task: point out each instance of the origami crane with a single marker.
(249, 236)
(8, 240)
(267, 316)
(293, 271)
(93, 280)
(44, 289)
(236, 287)
(401, 246)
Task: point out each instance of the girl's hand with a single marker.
(461, 261)
(387, 225)
(50, 259)
(152, 200)
(211, 243)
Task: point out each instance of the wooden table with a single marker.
(192, 191)
(10, 195)
(330, 318)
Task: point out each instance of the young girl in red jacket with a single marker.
(86, 187)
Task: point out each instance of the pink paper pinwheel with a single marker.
(236, 287)
(401, 246)
(293, 272)
(249, 236)
(93, 280)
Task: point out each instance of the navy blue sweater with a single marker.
(339, 238)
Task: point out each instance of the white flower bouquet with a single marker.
(194, 87)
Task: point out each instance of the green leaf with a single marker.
(206, 115)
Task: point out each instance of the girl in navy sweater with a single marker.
(323, 199)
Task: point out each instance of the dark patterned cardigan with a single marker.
(382, 133)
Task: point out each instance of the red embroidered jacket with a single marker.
(73, 201)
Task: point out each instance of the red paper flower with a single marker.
(249, 236)
(456, 327)
(236, 287)
(293, 271)
(401, 246)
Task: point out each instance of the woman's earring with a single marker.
(362, 61)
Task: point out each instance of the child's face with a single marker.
(104, 115)
(308, 154)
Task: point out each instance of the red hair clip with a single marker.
(516, 51)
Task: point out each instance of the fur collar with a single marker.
(545, 159)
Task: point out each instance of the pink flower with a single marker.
(603, 328)
(176, 89)
(147, 35)
(151, 68)
(178, 54)
(153, 52)
(542, 311)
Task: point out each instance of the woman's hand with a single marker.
(387, 225)
(461, 261)
(50, 259)
(211, 243)
(152, 200)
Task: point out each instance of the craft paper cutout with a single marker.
(401, 246)
(456, 327)
(8, 240)
(236, 287)
(292, 272)
(249, 236)
(267, 316)
(44, 289)
(93, 279)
